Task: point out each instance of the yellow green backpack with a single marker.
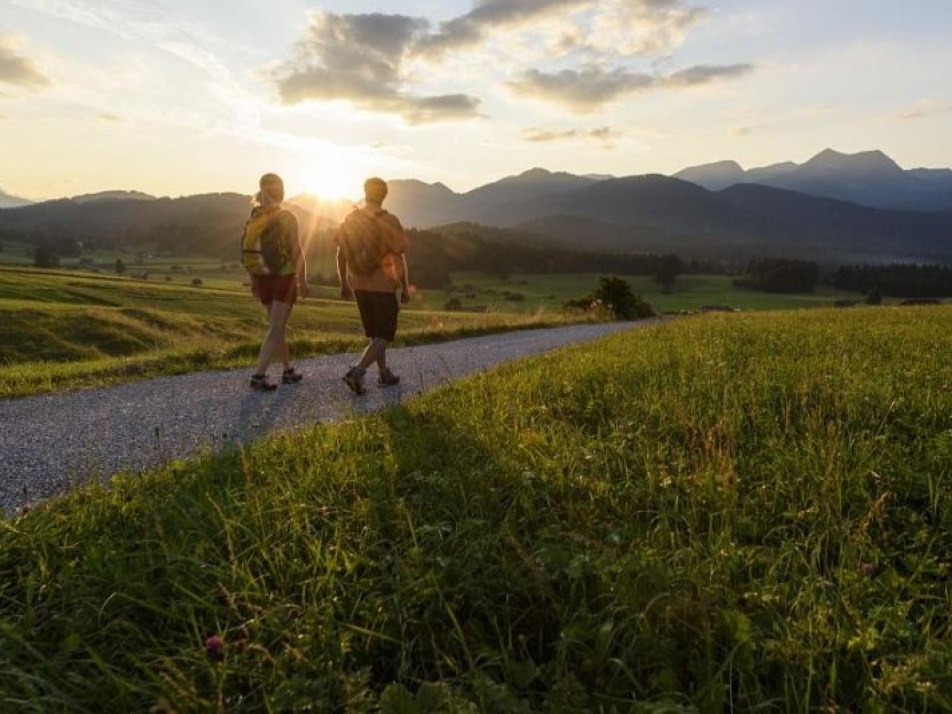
(265, 247)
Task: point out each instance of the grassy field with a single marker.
(743, 512)
(65, 329)
(62, 329)
(690, 293)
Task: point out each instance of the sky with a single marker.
(177, 97)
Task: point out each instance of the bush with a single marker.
(614, 295)
(453, 305)
(196, 282)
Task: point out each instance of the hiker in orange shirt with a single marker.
(371, 265)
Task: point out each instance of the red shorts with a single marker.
(274, 288)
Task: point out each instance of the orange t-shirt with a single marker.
(386, 278)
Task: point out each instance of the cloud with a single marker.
(538, 135)
(615, 27)
(588, 89)
(17, 70)
(604, 134)
(583, 90)
(110, 117)
(705, 74)
(926, 109)
(642, 27)
(361, 59)
(743, 131)
(473, 28)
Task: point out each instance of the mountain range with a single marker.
(717, 211)
(869, 178)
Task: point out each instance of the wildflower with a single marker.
(215, 647)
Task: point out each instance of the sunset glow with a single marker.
(173, 97)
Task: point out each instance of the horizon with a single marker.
(305, 193)
(175, 100)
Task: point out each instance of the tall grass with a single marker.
(743, 513)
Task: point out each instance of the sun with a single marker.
(329, 180)
(329, 186)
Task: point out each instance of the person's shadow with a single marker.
(258, 414)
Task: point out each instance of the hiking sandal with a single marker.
(291, 376)
(260, 383)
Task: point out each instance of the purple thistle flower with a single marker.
(215, 647)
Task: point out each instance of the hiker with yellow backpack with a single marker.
(271, 253)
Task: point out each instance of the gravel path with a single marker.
(50, 442)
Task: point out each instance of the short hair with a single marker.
(272, 189)
(375, 189)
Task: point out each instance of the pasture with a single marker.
(64, 329)
(743, 512)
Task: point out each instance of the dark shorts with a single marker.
(274, 288)
(378, 313)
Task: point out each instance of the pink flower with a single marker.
(215, 647)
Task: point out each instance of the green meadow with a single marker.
(82, 326)
(526, 293)
(62, 329)
(739, 512)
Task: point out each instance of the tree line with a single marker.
(437, 254)
(780, 275)
(898, 280)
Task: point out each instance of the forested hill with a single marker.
(636, 214)
(204, 225)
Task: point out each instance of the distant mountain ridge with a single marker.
(648, 213)
(116, 195)
(10, 201)
(869, 178)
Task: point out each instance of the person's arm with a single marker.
(404, 281)
(345, 292)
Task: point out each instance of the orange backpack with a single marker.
(363, 242)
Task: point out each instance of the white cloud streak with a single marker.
(591, 88)
(604, 135)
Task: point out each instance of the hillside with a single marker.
(651, 213)
(205, 225)
(661, 213)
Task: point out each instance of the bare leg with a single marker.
(277, 320)
(284, 351)
(375, 351)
